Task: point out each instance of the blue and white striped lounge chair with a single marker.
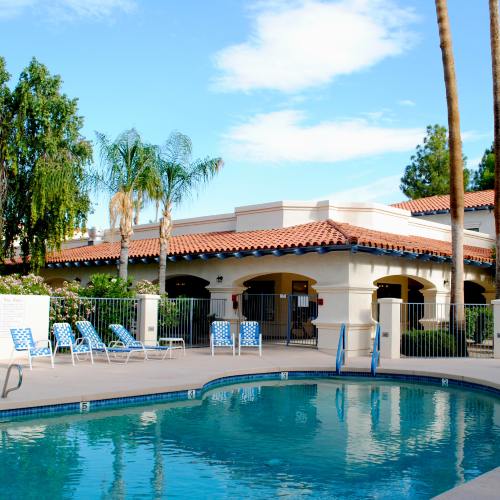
(220, 336)
(24, 343)
(88, 332)
(130, 342)
(65, 338)
(250, 336)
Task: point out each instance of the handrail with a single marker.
(340, 361)
(376, 352)
(6, 391)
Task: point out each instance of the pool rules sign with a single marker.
(21, 311)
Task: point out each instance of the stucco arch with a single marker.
(426, 284)
(240, 282)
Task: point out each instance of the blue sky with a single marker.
(304, 99)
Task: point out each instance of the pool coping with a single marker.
(85, 403)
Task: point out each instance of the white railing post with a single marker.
(496, 328)
(147, 318)
(390, 328)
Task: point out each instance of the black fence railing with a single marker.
(446, 330)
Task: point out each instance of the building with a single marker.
(478, 206)
(307, 266)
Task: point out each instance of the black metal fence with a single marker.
(283, 318)
(100, 312)
(189, 319)
(446, 330)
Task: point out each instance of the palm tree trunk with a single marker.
(165, 233)
(123, 266)
(456, 175)
(138, 206)
(495, 60)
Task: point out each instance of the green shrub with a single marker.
(479, 323)
(107, 286)
(428, 343)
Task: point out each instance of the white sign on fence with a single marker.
(21, 311)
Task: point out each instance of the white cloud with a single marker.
(66, 9)
(407, 102)
(300, 44)
(282, 136)
(376, 191)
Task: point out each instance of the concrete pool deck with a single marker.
(85, 382)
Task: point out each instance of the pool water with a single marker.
(344, 438)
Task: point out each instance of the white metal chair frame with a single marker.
(242, 334)
(28, 346)
(221, 336)
(70, 345)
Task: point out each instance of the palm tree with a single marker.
(456, 174)
(178, 175)
(495, 60)
(127, 169)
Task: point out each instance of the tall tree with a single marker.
(179, 175)
(495, 58)
(127, 167)
(47, 193)
(428, 173)
(456, 172)
(484, 176)
(5, 135)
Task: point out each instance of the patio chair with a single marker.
(23, 342)
(249, 336)
(130, 342)
(220, 336)
(65, 338)
(88, 332)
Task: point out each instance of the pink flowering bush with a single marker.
(146, 287)
(15, 284)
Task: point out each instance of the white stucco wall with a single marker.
(481, 219)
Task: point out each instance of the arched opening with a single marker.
(284, 304)
(473, 293)
(407, 288)
(187, 286)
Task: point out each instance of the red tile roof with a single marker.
(475, 199)
(324, 233)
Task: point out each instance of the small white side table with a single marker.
(174, 340)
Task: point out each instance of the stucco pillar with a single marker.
(390, 328)
(349, 305)
(225, 308)
(147, 320)
(496, 328)
(436, 308)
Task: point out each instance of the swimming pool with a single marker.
(313, 439)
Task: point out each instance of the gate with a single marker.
(283, 318)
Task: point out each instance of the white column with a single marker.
(148, 318)
(390, 328)
(349, 305)
(496, 328)
(231, 309)
(436, 308)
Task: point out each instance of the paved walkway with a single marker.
(83, 382)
